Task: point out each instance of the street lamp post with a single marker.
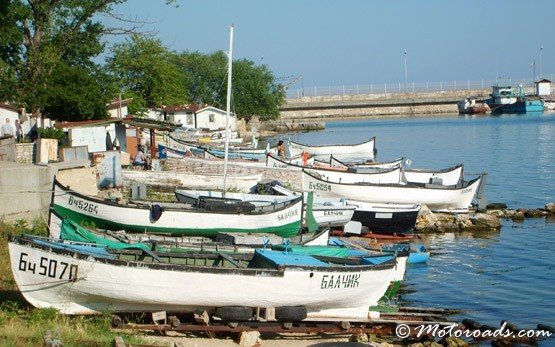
(406, 79)
(541, 50)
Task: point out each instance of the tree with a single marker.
(255, 91)
(41, 38)
(147, 72)
(77, 90)
(206, 77)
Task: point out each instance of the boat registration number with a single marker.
(339, 281)
(319, 186)
(83, 205)
(48, 268)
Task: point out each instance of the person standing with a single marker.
(7, 129)
(18, 130)
(280, 149)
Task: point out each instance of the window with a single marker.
(211, 118)
(190, 119)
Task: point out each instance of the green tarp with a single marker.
(327, 251)
(72, 231)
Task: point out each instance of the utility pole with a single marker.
(406, 79)
(541, 50)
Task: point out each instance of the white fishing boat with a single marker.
(365, 150)
(335, 162)
(447, 177)
(294, 163)
(326, 211)
(377, 217)
(392, 175)
(184, 148)
(435, 196)
(193, 181)
(211, 217)
(82, 279)
(386, 218)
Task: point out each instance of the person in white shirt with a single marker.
(7, 129)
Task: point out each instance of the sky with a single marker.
(361, 42)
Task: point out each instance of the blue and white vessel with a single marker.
(506, 100)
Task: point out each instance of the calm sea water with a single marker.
(491, 276)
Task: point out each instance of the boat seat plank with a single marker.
(230, 259)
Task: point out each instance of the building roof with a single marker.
(181, 108)
(133, 121)
(150, 123)
(118, 103)
(207, 108)
(8, 107)
(87, 123)
(543, 80)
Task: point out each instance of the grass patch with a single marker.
(23, 325)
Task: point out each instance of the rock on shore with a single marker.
(429, 221)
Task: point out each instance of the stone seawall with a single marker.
(376, 104)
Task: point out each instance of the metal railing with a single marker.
(411, 87)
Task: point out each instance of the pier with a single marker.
(356, 105)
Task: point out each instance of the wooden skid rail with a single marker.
(385, 328)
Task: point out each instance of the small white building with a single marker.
(543, 87)
(184, 115)
(214, 119)
(195, 117)
(7, 111)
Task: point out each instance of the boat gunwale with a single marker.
(412, 185)
(278, 271)
(378, 171)
(367, 165)
(372, 139)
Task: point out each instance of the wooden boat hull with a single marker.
(294, 163)
(284, 221)
(77, 284)
(366, 149)
(391, 175)
(436, 197)
(447, 177)
(386, 218)
(326, 212)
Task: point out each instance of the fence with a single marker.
(410, 87)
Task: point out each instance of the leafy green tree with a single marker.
(147, 72)
(255, 91)
(206, 77)
(77, 90)
(40, 39)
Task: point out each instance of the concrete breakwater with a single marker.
(337, 106)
